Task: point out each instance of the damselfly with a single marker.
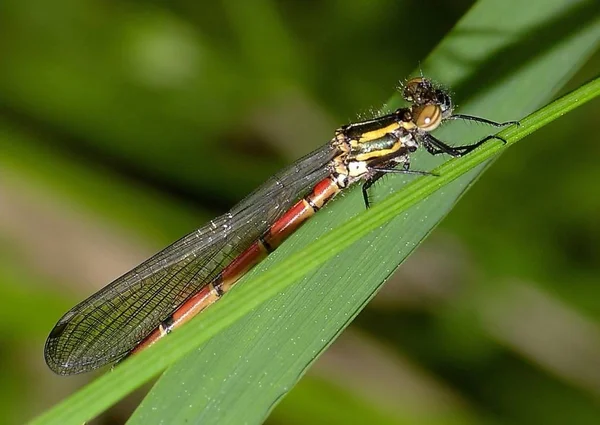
(183, 279)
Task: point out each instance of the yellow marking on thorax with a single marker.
(376, 134)
(408, 125)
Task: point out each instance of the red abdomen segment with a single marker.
(279, 231)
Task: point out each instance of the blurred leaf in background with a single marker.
(124, 125)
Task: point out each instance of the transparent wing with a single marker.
(106, 326)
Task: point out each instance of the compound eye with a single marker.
(428, 117)
(412, 88)
(414, 82)
(444, 101)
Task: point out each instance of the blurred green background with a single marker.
(124, 125)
